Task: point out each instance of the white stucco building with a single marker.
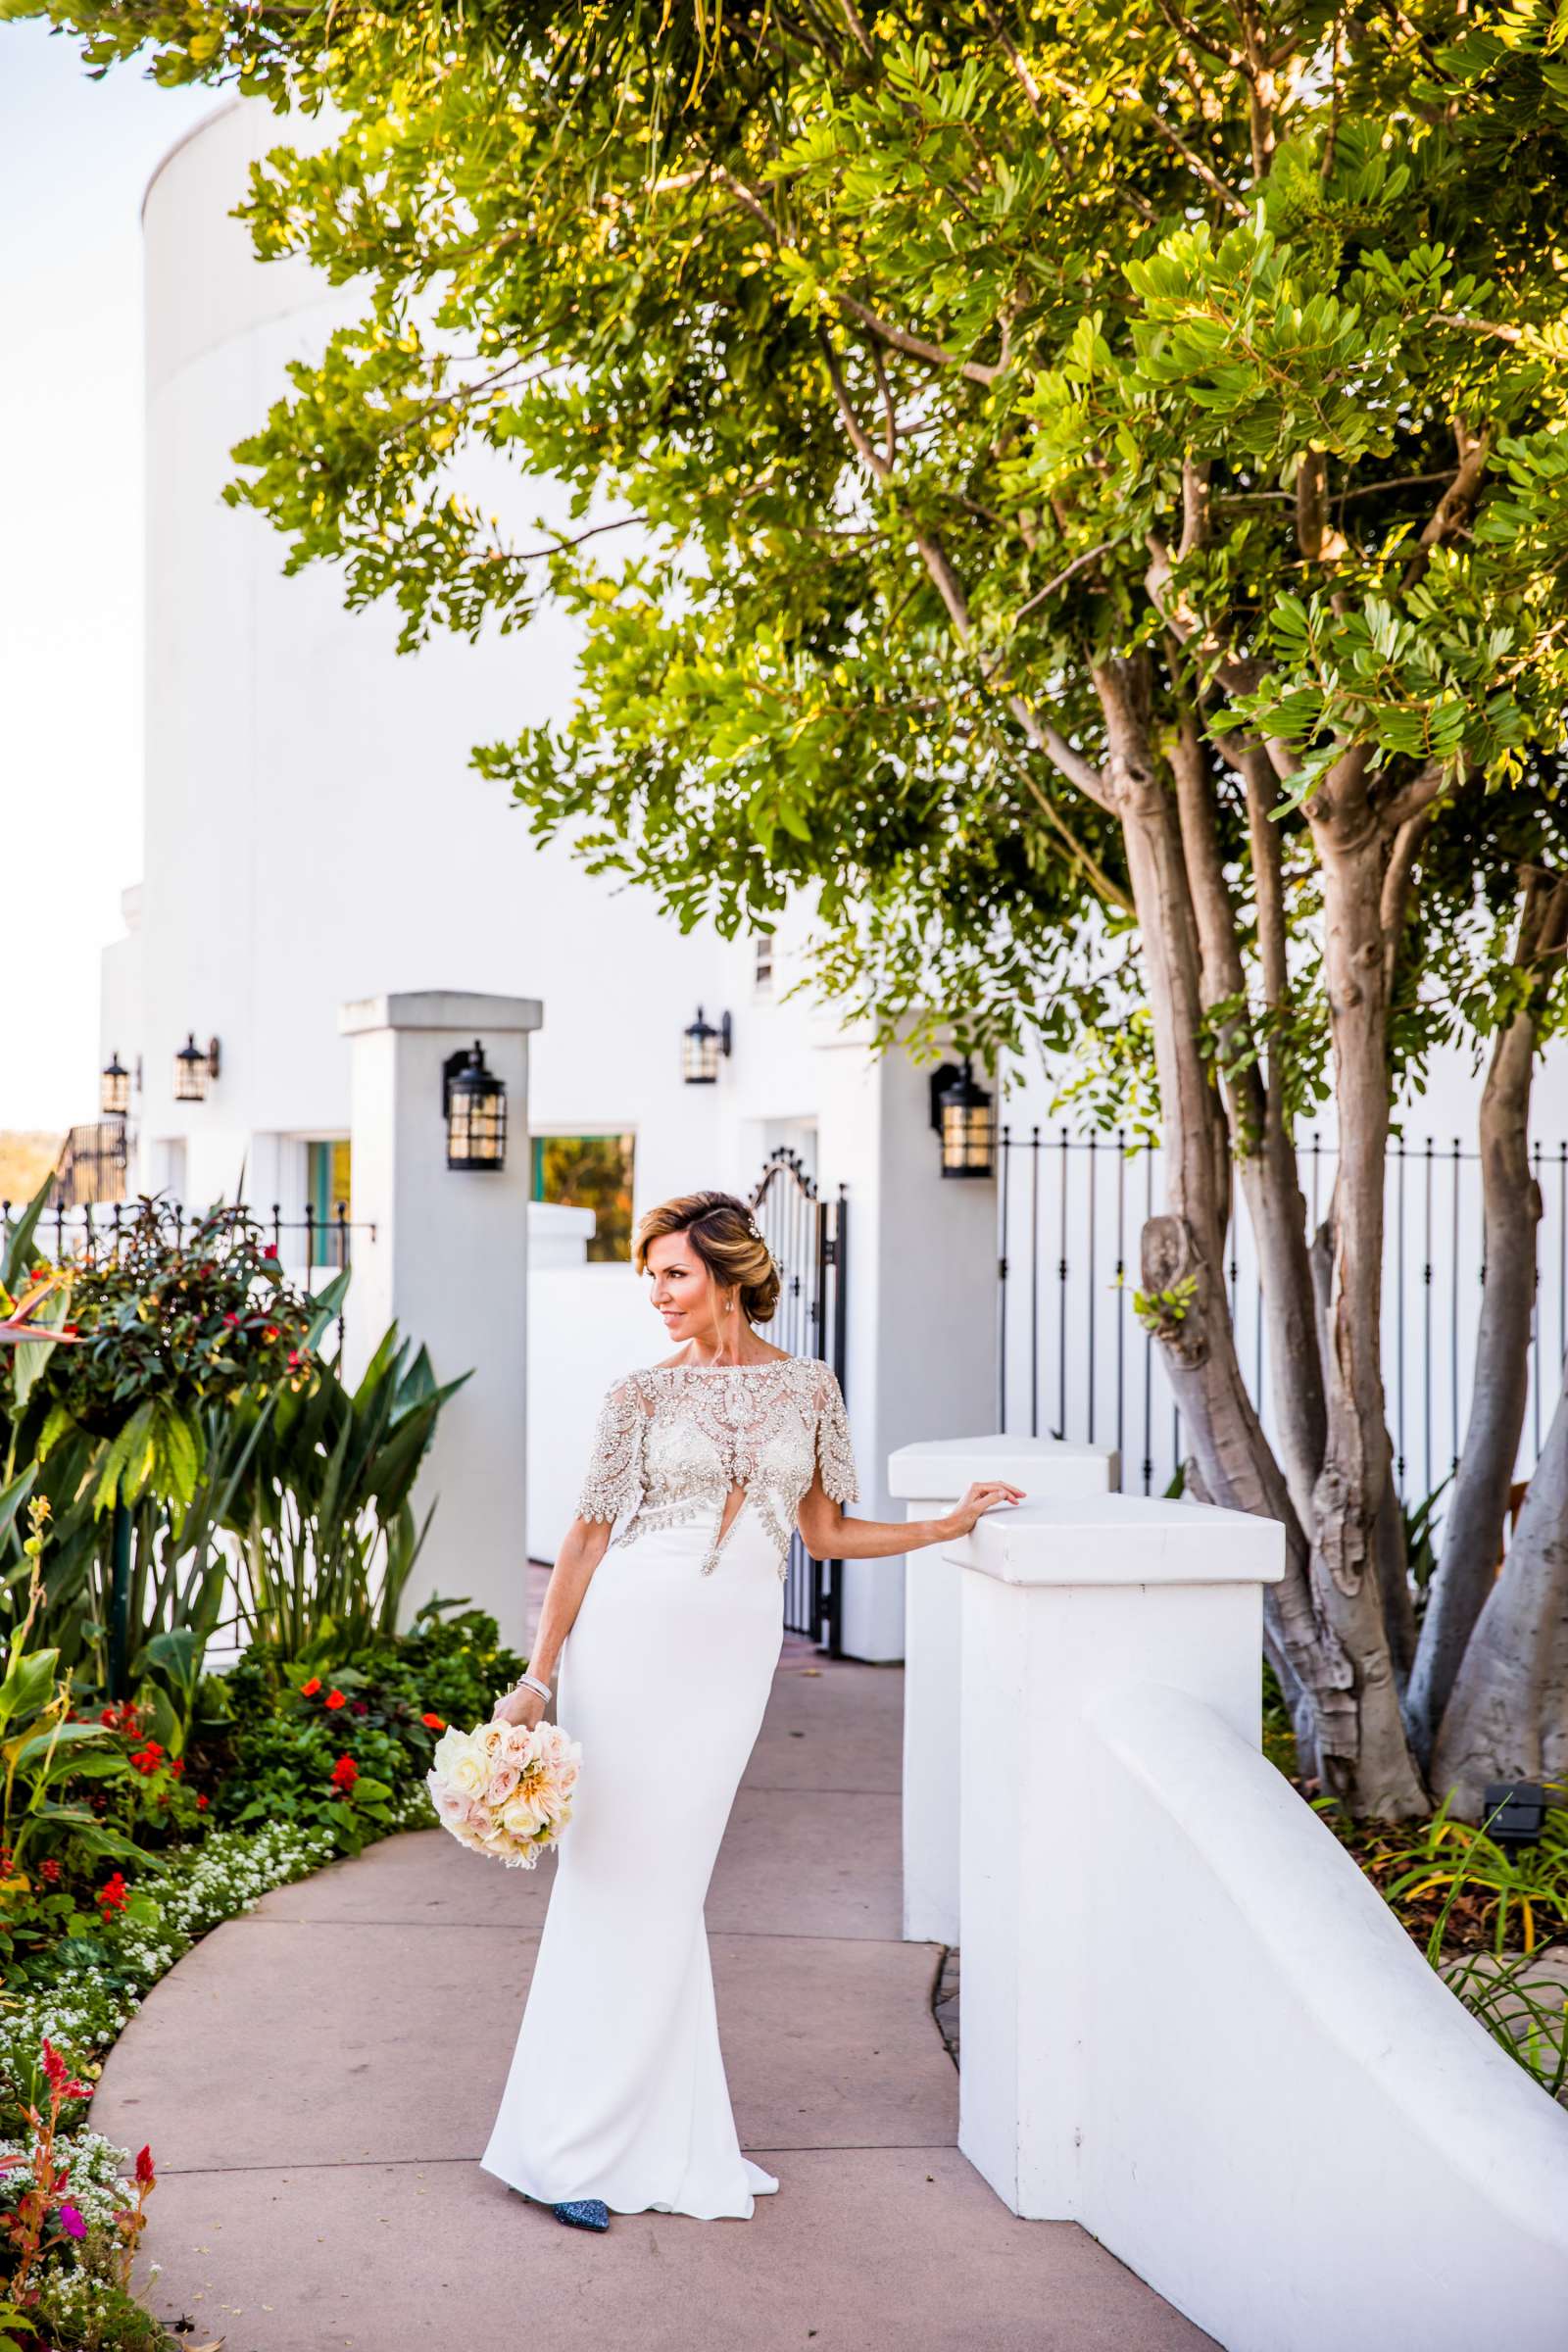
(315, 836)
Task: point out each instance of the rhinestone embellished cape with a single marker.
(673, 1442)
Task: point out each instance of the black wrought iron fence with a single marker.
(1073, 1360)
(92, 1164)
(94, 1234)
(808, 1237)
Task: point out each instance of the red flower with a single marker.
(108, 1715)
(233, 1322)
(293, 1357)
(345, 1772)
(335, 1698)
(70, 1330)
(309, 1688)
(49, 1870)
(270, 1251)
(434, 1723)
(176, 1765)
(114, 1894)
(147, 1759)
(145, 2178)
(271, 1332)
(201, 1803)
(61, 2081)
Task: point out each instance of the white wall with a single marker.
(588, 1325)
(1388, 2178)
(314, 831)
(1189, 2022)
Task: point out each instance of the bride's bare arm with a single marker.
(580, 1555)
(829, 1533)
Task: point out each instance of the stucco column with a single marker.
(921, 1287)
(449, 1265)
(1065, 1605)
(929, 1480)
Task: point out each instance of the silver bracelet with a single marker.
(530, 1682)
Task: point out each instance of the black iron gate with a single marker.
(807, 1237)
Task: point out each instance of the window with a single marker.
(589, 1171)
(327, 1179)
(762, 969)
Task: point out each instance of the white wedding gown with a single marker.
(617, 2087)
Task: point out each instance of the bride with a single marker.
(669, 1585)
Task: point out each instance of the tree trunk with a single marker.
(1348, 1495)
(1182, 1250)
(1511, 1203)
(1393, 1582)
(1509, 1710)
(1265, 1152)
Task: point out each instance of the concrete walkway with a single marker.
(318, 2077)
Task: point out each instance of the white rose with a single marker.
(520, 1817)
(465, 1766)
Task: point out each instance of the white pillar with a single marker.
(928, 1480)
(1063, 1604)
(449, 1265)
(921, 1269)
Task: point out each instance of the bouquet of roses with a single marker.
(504, 1791)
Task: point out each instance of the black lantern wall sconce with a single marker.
(964, 1116)
(114, 1089)
(473, 1104)
(194, 1067)
(701, 1048)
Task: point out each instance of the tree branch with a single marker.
(915, 347)
(1421, 793)
(1396, 897)
(1078, 564)
(1456, 500)
(1044, 737)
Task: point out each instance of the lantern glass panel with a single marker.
(699, 1061)
(476, 1122)
(190, 1073)
(968, 1130)
(113, 1097)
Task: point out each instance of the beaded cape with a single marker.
(674, 1441)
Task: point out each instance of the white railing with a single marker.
(1189, 2023)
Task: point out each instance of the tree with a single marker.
(1097, 485)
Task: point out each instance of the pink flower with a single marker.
(72, 2222)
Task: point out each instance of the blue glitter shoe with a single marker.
(583, 2213)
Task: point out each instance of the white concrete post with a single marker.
(1063, 1604)
(929, 1480)
(449, 1265)
(922, 1295)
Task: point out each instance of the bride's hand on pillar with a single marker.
(518, 1707)
(984, 1496)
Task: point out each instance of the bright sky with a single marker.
(75, 156)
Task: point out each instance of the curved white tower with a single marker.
(314, 830)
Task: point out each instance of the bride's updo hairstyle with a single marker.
(724, 1234)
